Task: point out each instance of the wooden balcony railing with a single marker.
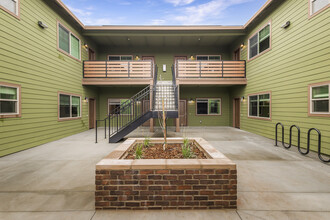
(118, 69)
(210, 69)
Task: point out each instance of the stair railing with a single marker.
(308, 140)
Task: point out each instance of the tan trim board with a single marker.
(165, 28)
(18, 15)
(70, 13)
(117, 81)
(58, 106)
(310, 15)
(310, 114)
(257, 13)
(212, 81)
(19, 93)
(270, 105)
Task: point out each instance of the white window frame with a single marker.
(70, 34)
(311, 112)
(120, 56)
(18, 100)
(208, 99)
(258, 46)
(118, 99)
(59, 105)
(310, 7)
(270, 106)
(17, 12)
(208, 57)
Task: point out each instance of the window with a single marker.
(10, 6)
(317, 5)
(208, 106)
(259, 105)
(208, 57)
(68, 42)
(320, 99)
(259, 42)
(69, 106)
(9, 100)
(120, 57)
(114, 107)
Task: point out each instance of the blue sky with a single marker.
(164, 12)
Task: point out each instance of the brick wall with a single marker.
(166, 189)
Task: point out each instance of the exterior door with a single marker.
(183, 113)
(91, 54)
(237, 54)
(237, 113)
(91, 113)
(176, 58)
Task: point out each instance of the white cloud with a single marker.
(179, 2)
(157, 22)
(206, 13)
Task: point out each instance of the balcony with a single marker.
(117, 72)
(211, 72)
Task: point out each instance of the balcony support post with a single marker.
(200, 69)
(128, 69)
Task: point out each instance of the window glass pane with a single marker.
(63, 40)
(126, 58)
(124, 111)
(253, 46)
(320, 92)
(214, 106)
(9, 4)
(319, 4)
(202, 107)
(321, 106)
(114, 58)
(75, 47)
(264, 106)
(264, 45)
(264, 33)
(253, 106)
(8, 107)
(75, 106)
(64, 106)
(8, 92)
(202, 58)
(214, 58)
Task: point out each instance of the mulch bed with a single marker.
(173, 151)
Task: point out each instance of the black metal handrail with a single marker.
(105, 128)
(298, 139)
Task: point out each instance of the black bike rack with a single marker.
(299, 147)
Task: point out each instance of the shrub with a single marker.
(138, 151)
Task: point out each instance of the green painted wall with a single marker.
(29, 57)
(193, 92)
(163, 55)
(300, 55)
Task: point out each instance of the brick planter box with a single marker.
(166, 183)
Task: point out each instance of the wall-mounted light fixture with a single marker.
(286, 25)
(199, 39)
(85, 46)
(137, 57)
(86, 99)
(242, 45)
(191, 101)
(128, 38)
(242, 99)
(42, 25)
(164, 67)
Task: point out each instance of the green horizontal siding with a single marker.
(300, 55)
(29, 57)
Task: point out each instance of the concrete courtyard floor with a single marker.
(56, 180)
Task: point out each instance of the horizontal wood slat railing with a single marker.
(118, 69)
(210, 69)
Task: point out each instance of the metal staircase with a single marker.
(146, 104)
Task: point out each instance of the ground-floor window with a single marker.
(9, 100)
(319, 98)
(114, 107)
(208, 106)
(259, 105)
(69, 106)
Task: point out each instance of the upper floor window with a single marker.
(9, 100)
(208, 106)
(208, 57)
(259, 42)
(317, 5)
(10, 5)
(120, 57)
(68, 42)
(319, 99)
(259, 105)
(69, 106)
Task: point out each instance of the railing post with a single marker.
(83, 69)
(105, 128)
(128, 70)
(117, 121)
(244, 68)
(200, 69)
(222, 68)
(109, 127)
(106, 69)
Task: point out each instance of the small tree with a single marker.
(162, 122)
